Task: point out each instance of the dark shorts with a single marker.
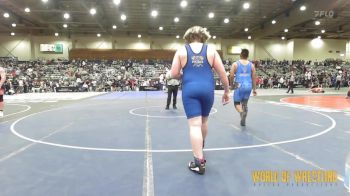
(2, 92)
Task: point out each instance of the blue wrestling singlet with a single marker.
(244, 79)
(197, 84)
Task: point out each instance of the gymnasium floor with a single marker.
(125, 143)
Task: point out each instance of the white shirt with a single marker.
(281, 80)
(173, 82)
(338, 77)
(79, 80)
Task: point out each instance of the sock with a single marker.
(198, 161)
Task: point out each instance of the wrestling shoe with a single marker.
(174, 107)
(197, 166)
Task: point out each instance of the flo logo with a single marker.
(197, 61)
(327, 14)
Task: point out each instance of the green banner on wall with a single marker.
(59, 48)
(51, 48)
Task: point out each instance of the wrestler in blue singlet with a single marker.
(244, 78)
(197, 84)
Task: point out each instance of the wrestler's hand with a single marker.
(255, 93)
(226, 98)
(168, 75)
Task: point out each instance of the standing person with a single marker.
(338, 80)
(197, 60)
(281, 82)
(291, 83)
(242, 78)
(2, 90)
(173, 87)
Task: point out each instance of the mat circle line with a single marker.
(22, 111)
(132, 112)
(13, 130)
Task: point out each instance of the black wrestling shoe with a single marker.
(197, 166)
(174, 107)
(167, 107)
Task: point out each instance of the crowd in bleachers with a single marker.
(275, 74)
(125, 75)
(82, 75)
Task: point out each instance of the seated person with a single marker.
(316, 89)
(348, 97)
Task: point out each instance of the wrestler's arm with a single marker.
(176, 66)
(254, 79)
(3, 76)
(232, 73)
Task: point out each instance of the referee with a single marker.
(173, 87)
(2, 90)
(291, 83)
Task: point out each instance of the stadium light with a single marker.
(154, 13)
(66, 16)
(246, 5)
(92, 11)
(123, 17)
(183, 3)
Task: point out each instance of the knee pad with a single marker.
(237, 103)
(1, 98)
(245, 106)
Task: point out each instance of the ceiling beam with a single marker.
(4, 27)
(296, 17)
(32, 18)
(97, 17)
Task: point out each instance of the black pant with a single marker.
(290, 86)
(172, 90)
(337, 85)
